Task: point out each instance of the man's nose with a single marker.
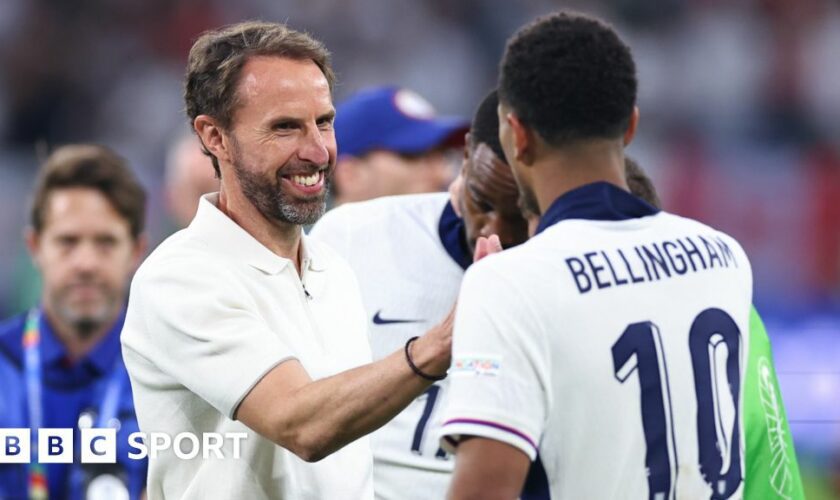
(85, 257)
(315, 148)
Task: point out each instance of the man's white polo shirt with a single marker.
(211, 311)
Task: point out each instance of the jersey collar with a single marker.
(453, 236)
(225, 236)
(596, 201)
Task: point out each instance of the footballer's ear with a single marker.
(524, 139)
(212, 137)
(630, 133)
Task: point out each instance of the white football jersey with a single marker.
(403, 250)
(609, 351)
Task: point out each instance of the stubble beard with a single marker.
(86, 324)
(266, 195)
(528, 200)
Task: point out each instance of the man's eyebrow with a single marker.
(329, 115)
(285, 119)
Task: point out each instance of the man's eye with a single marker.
(106, 242)
(481, 204)
(284, 126)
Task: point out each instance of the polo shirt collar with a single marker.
(225, 236)
(595, 201)
(310, 259)
(101, 357)
(453, 236)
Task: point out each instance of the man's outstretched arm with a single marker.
(313, 419)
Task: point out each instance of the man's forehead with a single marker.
(484, 164)
(283, 80)
(486, 173)
(68, 206)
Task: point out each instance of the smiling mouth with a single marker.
(306, 183)
(306, 180)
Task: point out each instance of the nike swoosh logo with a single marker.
(379, 320)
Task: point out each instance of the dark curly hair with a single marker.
(217, 57)
(569, 77)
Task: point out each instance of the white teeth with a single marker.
(306, 180)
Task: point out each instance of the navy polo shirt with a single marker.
(68, 389)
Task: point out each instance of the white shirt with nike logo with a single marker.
(409, 283)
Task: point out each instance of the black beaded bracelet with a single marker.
(417, 371)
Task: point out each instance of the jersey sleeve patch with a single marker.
(476, 365)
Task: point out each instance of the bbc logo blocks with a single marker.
(98, 446)
(14, 446)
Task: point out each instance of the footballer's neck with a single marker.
(280, 237)
(560, 170)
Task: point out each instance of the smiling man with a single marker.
(239, 323)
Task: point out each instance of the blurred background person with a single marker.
(60, 363)
(391, 141)
(189, 174)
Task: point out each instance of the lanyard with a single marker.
(38, 486)
(32, 371)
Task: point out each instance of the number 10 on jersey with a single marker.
(639, 349)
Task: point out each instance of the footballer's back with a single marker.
(615, 353)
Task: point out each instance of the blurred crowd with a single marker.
(739, 99)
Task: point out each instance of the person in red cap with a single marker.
(391, 141)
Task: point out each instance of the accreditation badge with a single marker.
(106, 487)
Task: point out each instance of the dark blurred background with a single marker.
(740, 106)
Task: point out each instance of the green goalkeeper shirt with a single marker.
(771, 471)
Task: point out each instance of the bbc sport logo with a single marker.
(99, 446)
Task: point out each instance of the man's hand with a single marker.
(486, 246)
(432, 353)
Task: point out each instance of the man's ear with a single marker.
(33, 244)
(524, 140)
(212, 137)
(630, 133)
